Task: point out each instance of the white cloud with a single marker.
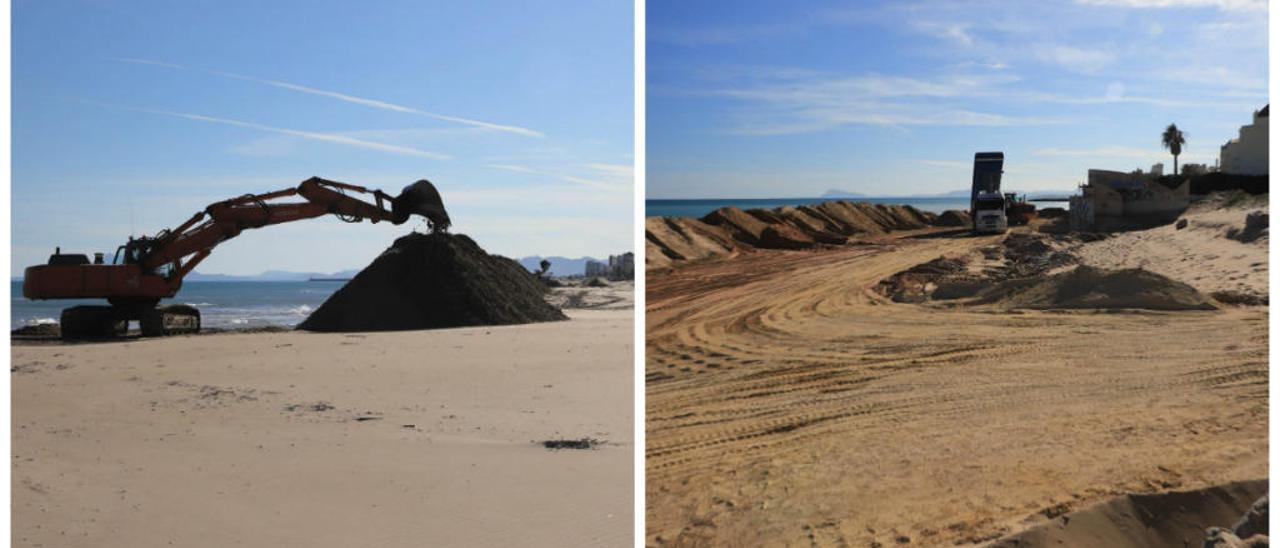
(815, 104)
(1075, 59)
(954, 32)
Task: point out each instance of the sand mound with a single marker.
(1088, 287)
(1141, 521)
(671, 240)
(433, 281)
(954, 217)
(676, 239)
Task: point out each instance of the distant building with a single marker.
(622, 267)
(1157, 170)
(1248, 154)
(1193, 169)
(597, 269)
(1112, 200)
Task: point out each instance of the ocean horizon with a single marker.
(699, 208)
(222, 304)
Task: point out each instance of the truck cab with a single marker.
(986, 203)
(989, 214)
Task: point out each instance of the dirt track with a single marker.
(789, 405)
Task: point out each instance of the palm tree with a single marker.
(1173, 139)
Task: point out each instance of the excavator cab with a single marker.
(421, 198)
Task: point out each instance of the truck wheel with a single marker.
(91, 322)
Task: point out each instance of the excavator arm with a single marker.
(149, 269)
(195, 239)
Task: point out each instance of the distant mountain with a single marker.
(560, 266)
(837, 193)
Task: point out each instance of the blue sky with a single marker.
(772, 99)
(128, 117)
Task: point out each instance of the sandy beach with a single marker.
(791, 402)
(422, 438)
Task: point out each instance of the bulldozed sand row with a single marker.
(787, 403)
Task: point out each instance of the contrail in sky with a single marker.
(374, 103)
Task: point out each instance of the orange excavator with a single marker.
(146, 270)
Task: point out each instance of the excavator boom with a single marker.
(146, 270)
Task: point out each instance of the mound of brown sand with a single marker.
(954, 217)
(1145, 521)
(1088, 287)
(429, 281)
(728, 230)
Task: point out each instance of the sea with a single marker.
(698, 208)
(227, 305)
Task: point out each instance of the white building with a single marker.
(1157, 170)
(1247, 154)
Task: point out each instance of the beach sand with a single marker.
(422, 438)
(790, 404)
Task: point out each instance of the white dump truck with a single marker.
(986, 203)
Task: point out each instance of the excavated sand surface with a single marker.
(1177, 518)
(790, 404)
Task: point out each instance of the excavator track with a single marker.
(92, 322)
(173, 319)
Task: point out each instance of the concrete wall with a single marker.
(1114, 200)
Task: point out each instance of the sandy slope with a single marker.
(789, 405)
(1198, 255)
(227, 440)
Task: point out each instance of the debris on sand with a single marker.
(1052, 213)
(1178, 518)
(1239, 298)
(923, 281)
(1256, 225)
(584, 443)
(39, 330)
(317, 407)
(430, 281)
(1088, 287)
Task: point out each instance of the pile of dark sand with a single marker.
(429, 281)
(1089, 287)
(920, 283)
(1178, 518)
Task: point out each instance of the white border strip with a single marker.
(639, 508)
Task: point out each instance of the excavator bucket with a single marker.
(422, 198)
